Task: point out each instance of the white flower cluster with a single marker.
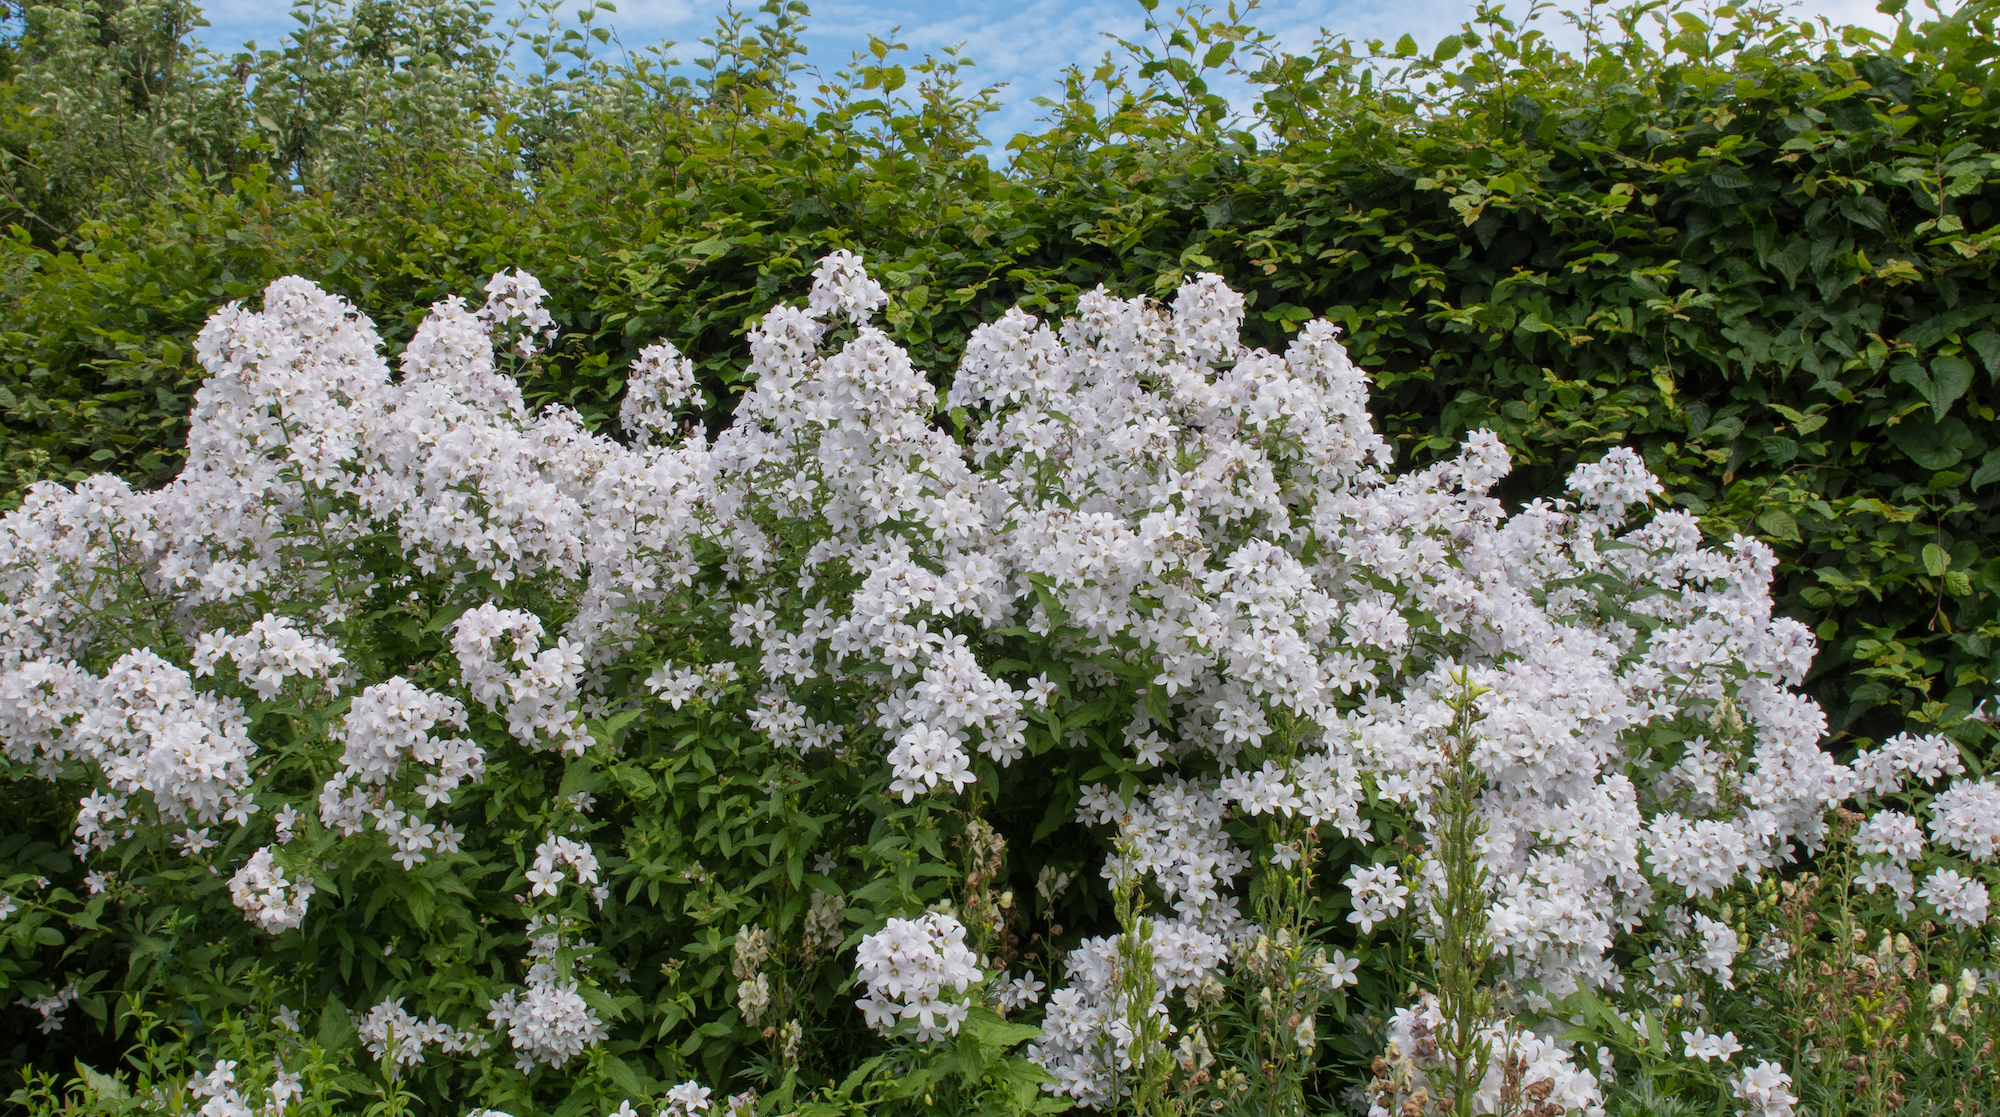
(549, 1022)
(1173, 831)
(267, 897)
(514, 303)
(1966, 817)
(1379, 895)
(221, 1095)
(556, 852)
(1905, 759)
(1570, 1089)
(662, 383)
(540, 694)
(51, 1006)
(1765, 1091)
(1017, 993)
(1086, 1041)
(691, 1098)
(841, 286)
(218, 1091)
(1961, 900)
(1720, 944)
(146, 729)
(386, 724)
(676, 686)
(389, 1031)
(272, 651)
(907, 966)
(1705, 1046)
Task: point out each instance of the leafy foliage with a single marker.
(1759, 250)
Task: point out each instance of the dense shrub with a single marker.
(1757, 252)
(834, 681)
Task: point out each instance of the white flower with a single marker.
(1339, 970)
(1960, 900)
(1764, 1091)
(1017, 992)
(687, 1099)
(1378, 895)
(1701, 1045)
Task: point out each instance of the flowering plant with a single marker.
(450, 690)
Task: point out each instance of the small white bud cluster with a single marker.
(753, 985)
(825, 923)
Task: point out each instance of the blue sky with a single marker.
(1023, 43)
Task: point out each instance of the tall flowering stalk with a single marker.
(1461, 949)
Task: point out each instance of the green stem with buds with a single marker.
(1462, 949)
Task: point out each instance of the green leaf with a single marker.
(1987, 344)
(1779, 524)
(336, 1028)
(1061, 809)
(1936, 560)
(992, 1031)
(1931, 445)
(1729, 178)
(1988, 471)
(1866, 211)
(1217, 54)
(623, 1076)
(101, 1084)
(1448, 48)
(1926, 334)
(1950, 377)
